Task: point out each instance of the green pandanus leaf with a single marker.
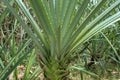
(63, 30)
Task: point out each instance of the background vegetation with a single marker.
(98, 57)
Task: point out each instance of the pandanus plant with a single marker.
(61, 28)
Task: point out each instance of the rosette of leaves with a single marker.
(63, 28)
